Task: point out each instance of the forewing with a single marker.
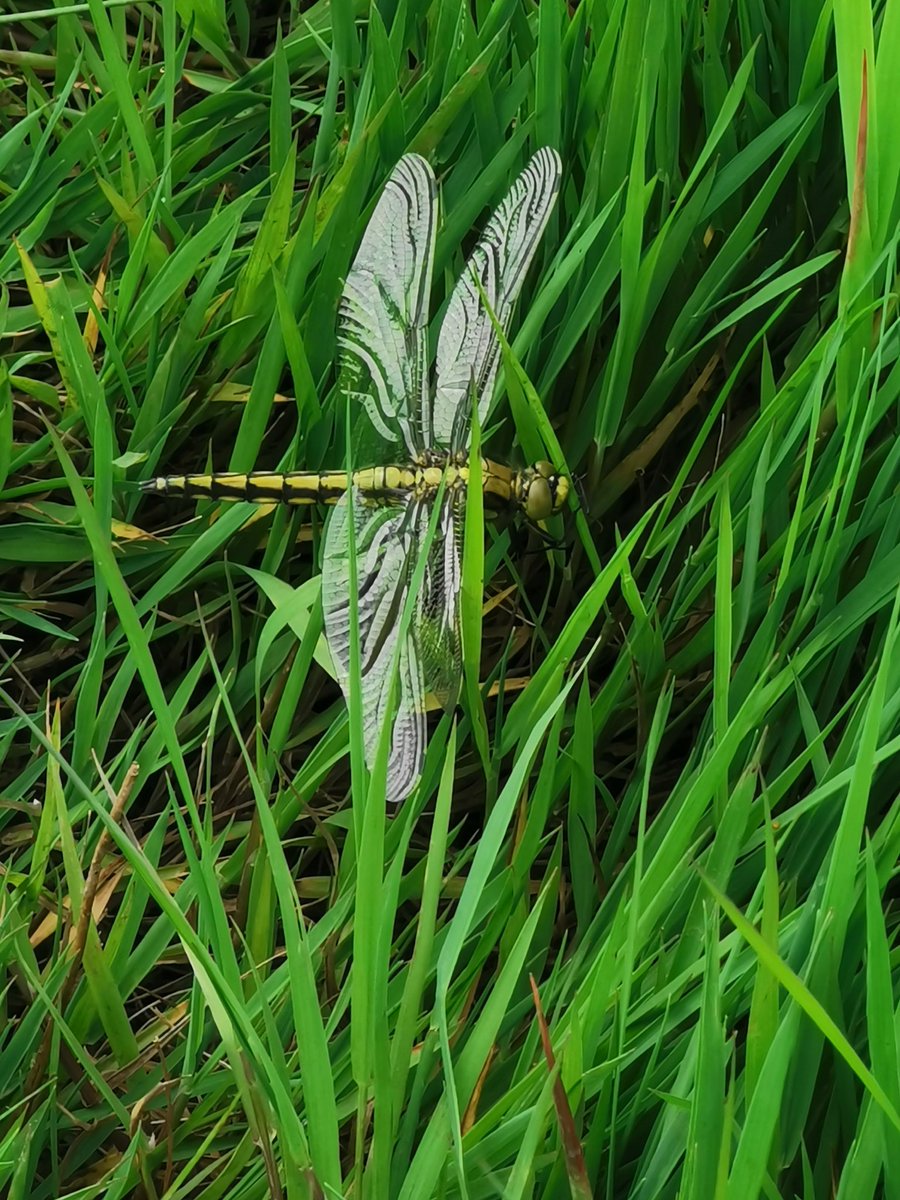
(386, 542)
(436, 627)
(382, 342)
(468, 352)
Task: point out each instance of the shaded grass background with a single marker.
(687, 829)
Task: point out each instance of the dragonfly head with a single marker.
(543, 491)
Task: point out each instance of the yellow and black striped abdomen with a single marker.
(292, 487)
(260, 487)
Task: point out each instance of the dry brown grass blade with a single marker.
(98, 299)
(77, 944)
(633, 464)
(470, 1116)
(576, 1168)
(858, 198)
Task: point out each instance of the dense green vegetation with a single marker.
(673, 800)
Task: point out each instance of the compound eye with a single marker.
(539, 502)
(545, 469)
(561, 494)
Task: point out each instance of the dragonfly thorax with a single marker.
(539, 490)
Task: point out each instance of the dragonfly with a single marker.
(416, 425)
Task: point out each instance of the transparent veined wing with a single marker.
(383, 315)
(436, 624)
(468, 352)
(387, 539)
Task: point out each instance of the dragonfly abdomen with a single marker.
(260, 487)
(290, 487)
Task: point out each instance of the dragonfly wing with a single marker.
(436, 628)
(382, 327)
(468, 352)
(386, 540)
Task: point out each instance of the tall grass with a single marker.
(223, 972)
